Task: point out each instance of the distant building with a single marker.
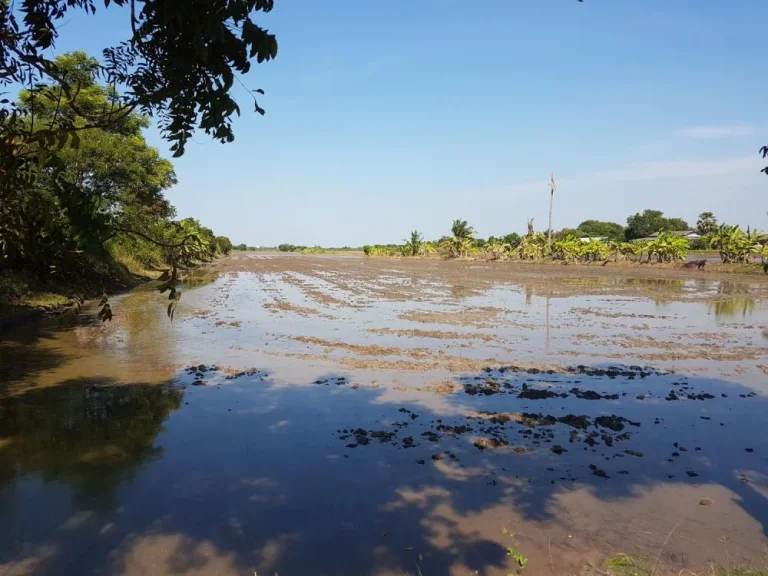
(587, 239)
(688, 234)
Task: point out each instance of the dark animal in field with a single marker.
(698, 264)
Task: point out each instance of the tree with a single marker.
(642, 225)
(414, 244)
(223, 245)
(512, 239)
(111, 184)
(462, 238)
(600, 229)
(240, 247)
(734, 244)
(179, 62)
(706, 224)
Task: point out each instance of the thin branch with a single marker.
(152, 240)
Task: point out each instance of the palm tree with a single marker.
(462, 240)
(414, 244)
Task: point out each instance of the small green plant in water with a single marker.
(628, 565)
(520, 559)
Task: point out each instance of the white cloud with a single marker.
(713, 132)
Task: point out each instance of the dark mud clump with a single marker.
(339, 381)
(431, 436)
(598, 472)
(538, 394)
(580, 422)
(559, 450)
(487, 388)
(382, 435)
(249, 372)
(532, 420)
(613, 422)
(483, 443)
(454, 430)
(592, 395)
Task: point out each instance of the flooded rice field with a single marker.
(345, 416)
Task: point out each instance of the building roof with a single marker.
(684, 233)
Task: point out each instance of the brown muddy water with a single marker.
(343, 416)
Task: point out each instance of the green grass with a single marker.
(626, 565)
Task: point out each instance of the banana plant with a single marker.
(413, 244)
(734, 244)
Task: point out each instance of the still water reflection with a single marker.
(117, 459)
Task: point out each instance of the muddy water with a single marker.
(348, 416)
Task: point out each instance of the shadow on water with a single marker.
(245, 474)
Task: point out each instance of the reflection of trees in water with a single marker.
(91, 437)
(733, 307)
(739, 301)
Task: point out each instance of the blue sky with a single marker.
(383, 117)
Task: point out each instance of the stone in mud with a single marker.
(749, 449)
(351, 446)
(437, 457)
(597, 471)
(420, 462)
(431, 436)
(622, 472)
(559, 450)
(634, 453)
(408, 442)
(706, 502)
(198, 383)
(692, 474)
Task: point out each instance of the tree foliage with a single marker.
(600, 229)
(461, 241)
(414, 244)
(706, 224)
(649, 222)
(736, 245)
(178, 62)
(97, 202)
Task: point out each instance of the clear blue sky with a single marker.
(383, 117)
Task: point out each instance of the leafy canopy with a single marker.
(706, 224)
(642, 225)
(600, 229)
(178, 61)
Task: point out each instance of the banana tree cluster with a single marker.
(667, 248)
(497, 249)
(533, 246)
(736, 245)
